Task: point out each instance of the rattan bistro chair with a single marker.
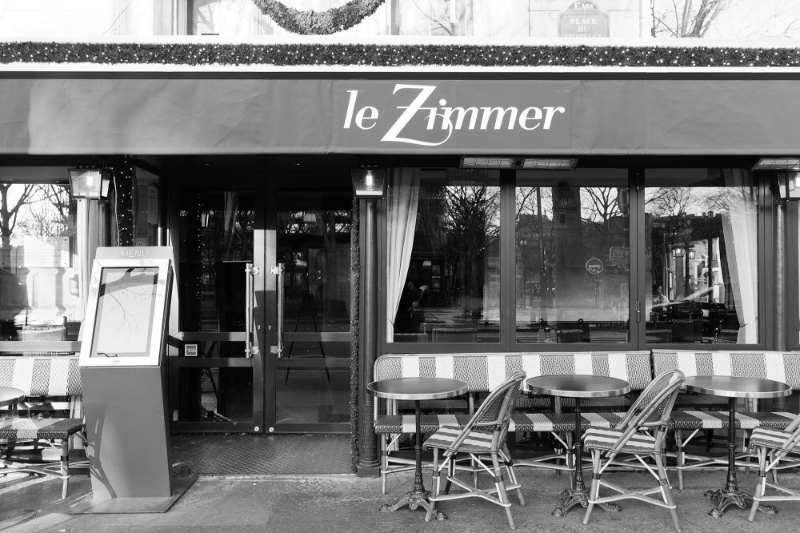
(484, 437)
(772, 447)
(640, 433)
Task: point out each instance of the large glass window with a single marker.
(701, 228)
(443, 238)
(572, 256)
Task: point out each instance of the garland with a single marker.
(375, 55)
(318, 22)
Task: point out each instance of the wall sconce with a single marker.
(789, 186)
(369, 180)
(89, 183)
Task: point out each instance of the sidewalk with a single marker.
(347, 503)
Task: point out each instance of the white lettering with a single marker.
(348, 117)
(397, 128)
(460, 112)
(134, 253)
(361, 116)
(523, 118)
(550, 112)
(501, 113)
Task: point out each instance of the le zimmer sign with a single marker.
(490, 115)
(583, 18)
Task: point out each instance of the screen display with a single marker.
(125, 305)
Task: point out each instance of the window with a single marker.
(443, 236)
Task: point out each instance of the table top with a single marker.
(735, 387)
(10, 395)
(422, 388)
(578, 386)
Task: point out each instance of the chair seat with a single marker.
(770, 438)
(523, 422)
(692, 400)
(39, 428)
(454, 404)
(719, 420)
(532, 402)
(475, 442)
(605, 439)
(407, 423)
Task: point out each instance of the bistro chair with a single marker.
(641, 433)
(483, 438)
(772, 446)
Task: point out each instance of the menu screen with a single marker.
(124, 321)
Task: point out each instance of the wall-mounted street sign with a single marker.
(583, 18)
(594, 266)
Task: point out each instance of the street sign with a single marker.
(594, 266)
(583, 18)
(619, 256)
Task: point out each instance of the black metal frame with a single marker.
(636, 170)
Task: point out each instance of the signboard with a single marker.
(594, 266)
(583, 18)
(43, 252)
(619, 256)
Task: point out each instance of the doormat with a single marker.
(236, 454)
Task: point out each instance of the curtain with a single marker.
(739, 226)
(401, 222)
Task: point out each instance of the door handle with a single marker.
(638, 312)
(249, 349)
(278, 271)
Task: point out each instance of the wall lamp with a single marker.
(369, 180)
(89, 183)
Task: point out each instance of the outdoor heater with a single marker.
(124, 382)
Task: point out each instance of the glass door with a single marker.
(310, 366)
(217, 378)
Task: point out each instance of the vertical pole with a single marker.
(368, 459)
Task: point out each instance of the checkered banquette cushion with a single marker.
(484, 371)
(41, 377)
(778, 366)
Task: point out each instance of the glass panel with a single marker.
(125, 305)
(214, 395)
(216, 242)
(312, 381)
(701, 228)
(444, 257)
(572, 256)
(39, 278)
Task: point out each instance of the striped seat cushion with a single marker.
(476, 441)
(701, 400)
(451, 404)
(605, 439)
(719, 420)
(524, 422)
(770, 438)
(532, 402)
(386, 424)
(39, 428)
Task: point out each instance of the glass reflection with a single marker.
(572, 257)
(701, 256)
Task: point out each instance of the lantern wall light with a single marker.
(90, 183)
(369, 180)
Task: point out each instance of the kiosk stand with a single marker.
(124, 381)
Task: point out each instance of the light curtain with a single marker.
(739, 226)
(401, 222)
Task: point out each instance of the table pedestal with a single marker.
(419, 497)
(579, 495)
(731, 495)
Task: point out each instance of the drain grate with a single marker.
(238, 454)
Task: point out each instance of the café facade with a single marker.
(504, 209)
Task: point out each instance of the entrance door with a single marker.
(217, 381)
(310, 369)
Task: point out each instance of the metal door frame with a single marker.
(178, 339)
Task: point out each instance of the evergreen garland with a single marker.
(318, 22)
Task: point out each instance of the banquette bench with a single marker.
(778, 366)
(49, 383)
(484, 371)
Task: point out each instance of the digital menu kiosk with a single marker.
(124, 382)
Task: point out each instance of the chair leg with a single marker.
(667, 490)
(680, 458)
(513, 477)
(570, 453)
(451, 471)
(65, 467)
(501, 489)
(594, 491)
(434, 486)
(384, 461)
(761, 486)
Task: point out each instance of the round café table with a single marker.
(10, 396)
(733, 388)
(417, 389)
(578, 386)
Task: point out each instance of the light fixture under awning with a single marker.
(778, 163)
(519, 163)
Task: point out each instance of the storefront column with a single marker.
(367, 444)
(780, 324)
